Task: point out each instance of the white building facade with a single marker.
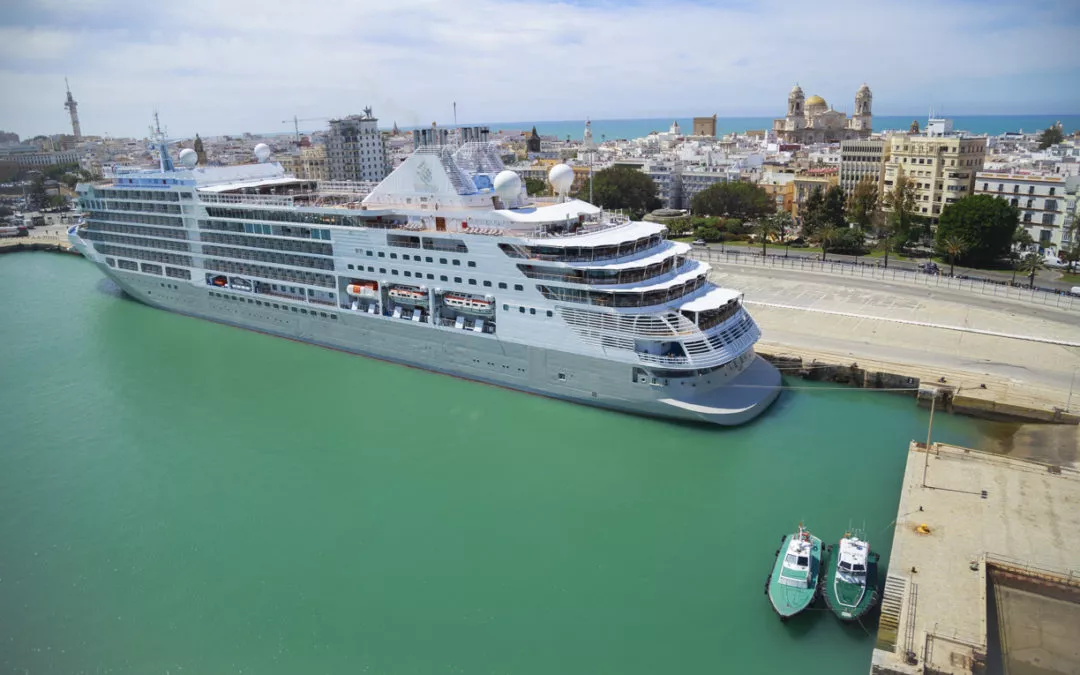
(1041, 200)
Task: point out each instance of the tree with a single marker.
(1030, 265)
(6, 211)
(863, 203)
(813, 211)
(736, 200)
(1070, 256)
(832, 210)
(764, 228)
(901, 201)
(953, 247)
(783, 227)
(986, 223)
(828, 235)
(535, 186)
(1052, 135)
(36, 197)
(623, 187)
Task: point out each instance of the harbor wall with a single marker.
(982, 403)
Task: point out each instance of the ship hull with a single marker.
(717, 399)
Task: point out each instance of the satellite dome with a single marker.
(262, 152)
(561, 178)
(189, 157)
(508, 186)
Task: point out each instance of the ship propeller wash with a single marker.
(445, 265)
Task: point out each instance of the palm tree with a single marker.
(1070, 257)
(764, 228)
(1030, 265)
(954, 247)
(828, 235)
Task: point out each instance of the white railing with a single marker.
(1049, 297)
(260, 200)
(346, 187)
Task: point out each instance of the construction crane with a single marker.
(296, 123)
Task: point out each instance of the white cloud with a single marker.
(215, 67)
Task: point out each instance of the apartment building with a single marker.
(861, 159)
(940, 162)
(355, 150)
(1041, 200)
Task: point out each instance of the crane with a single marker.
(296, 123)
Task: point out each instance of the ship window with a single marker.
(408, 273)
(532, 310)
(518, 287)
(368, 253)
(393, 256)
(381, 254)
(322, 314)
(472, 263)
(442, 261)
(472, 282)
(334, 317)
(457, 280)
(303, 311)
(502, 285)
(487, 284)
(294, 309)
(259, 303)
(549, 313)
(404, 256)
(382, 270)
(457, 262)
(350, 266)
(562, 376)
(521, 309)
(506, 308)
(394, 272)
(428, 259)
(442, 277)
(370, 269)
(431, 276)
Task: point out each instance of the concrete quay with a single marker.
(1001, 358)
(984, 574)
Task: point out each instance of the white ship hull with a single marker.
(727, 397)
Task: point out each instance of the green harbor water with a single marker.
(178, 496)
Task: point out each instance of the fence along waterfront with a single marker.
(1058, 299)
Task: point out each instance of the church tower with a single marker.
(200, 151)
(73, 107)
(588, 133)
(863, 118)
(796, 113)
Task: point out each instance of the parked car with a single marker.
(929, 268)
(699, 242)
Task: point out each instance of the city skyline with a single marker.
(248, 66)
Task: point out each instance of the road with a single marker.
(856, 319)
(1045, 278)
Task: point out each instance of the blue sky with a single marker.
(220, 66)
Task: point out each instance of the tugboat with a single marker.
(794, 580)
(851, 588)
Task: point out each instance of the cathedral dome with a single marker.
(815, 100)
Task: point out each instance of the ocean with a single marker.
(636, 128)
(179, 496)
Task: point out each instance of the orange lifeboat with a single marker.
(367, 289)
(408, 296)
(469, 304)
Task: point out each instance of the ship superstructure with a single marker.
(445, 265)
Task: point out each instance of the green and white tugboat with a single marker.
(851, 588)
(794, 580)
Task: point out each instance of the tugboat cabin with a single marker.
(796, 567)
(853, 558)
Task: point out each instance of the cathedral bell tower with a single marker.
(796, 112)
(863, 118)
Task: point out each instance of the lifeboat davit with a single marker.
(408, 296)
(469, 305)
(364, 290)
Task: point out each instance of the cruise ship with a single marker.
(445, 265)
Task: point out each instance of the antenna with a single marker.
(455, 113)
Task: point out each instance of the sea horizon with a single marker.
(637, 127)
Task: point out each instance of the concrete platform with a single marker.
(985, 567)
(1025, 354)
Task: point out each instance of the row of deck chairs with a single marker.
(477, 327)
